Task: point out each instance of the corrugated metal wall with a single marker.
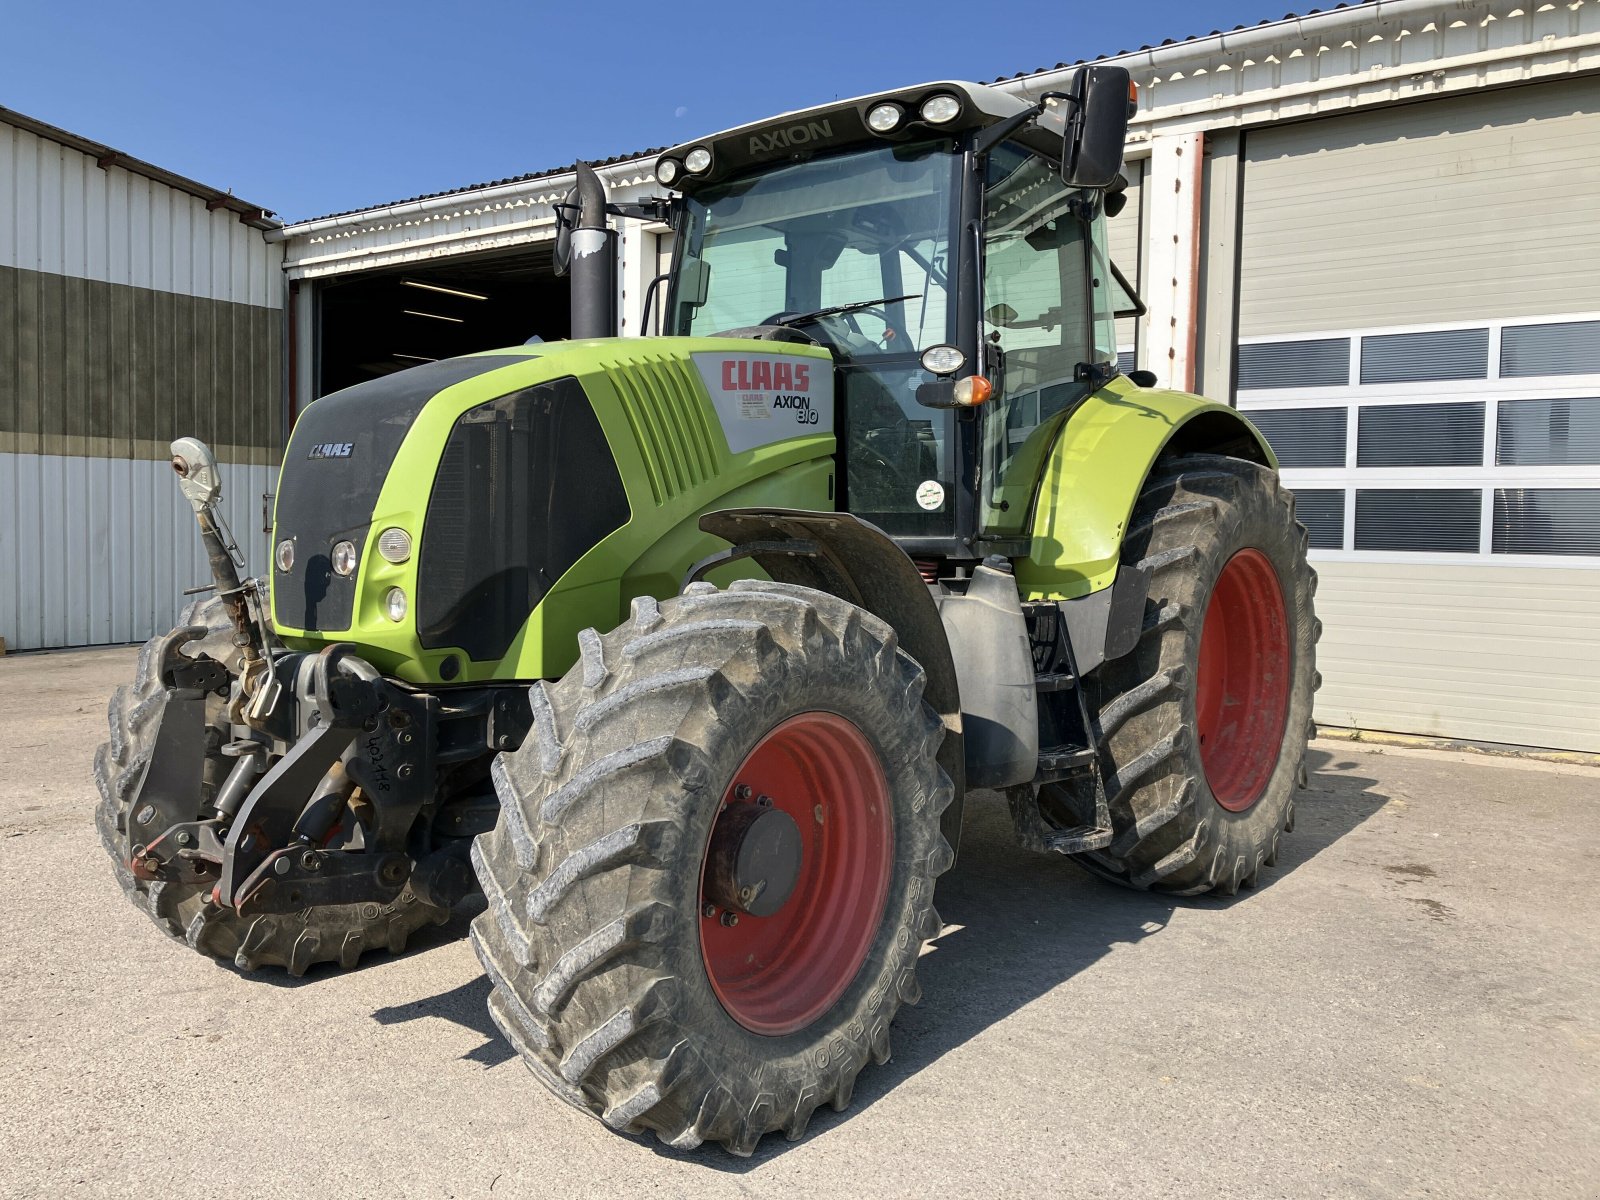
(95, 551)
(1444, 210)
(64, 214)
(130, 314)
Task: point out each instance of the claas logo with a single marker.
(332, 450)
(742, 375)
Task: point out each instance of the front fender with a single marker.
(1099, 455)
(849, 558)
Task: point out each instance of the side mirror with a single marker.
(694, 282)
(566, 217)
(1102, 100)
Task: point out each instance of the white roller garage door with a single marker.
(1419, 322)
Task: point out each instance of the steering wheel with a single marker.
(845, 336)
(884, 482)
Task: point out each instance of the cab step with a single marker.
(1077, 839)
(1057, 762)
(1055, 681)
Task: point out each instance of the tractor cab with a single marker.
(925, 238)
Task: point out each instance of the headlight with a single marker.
(882, 118)
(666, 171)
(394, 544)
(394, 604)
(697, 160)
(943, 360)
(940, 110)
(344, 558)
(284, 555)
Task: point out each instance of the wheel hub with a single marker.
(754, 858)
(795, 873)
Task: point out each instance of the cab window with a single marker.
(1042, 278)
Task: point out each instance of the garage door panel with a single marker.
(1444, 210)
(1501, 654)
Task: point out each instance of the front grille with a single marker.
(525, 487)
(333, 470)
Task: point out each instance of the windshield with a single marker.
(868, 232)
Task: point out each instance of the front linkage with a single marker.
(266, 843)
(347, 792)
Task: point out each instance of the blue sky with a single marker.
(308, 109)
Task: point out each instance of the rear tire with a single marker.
(295, 941)
(1202, 754)
(596, 937)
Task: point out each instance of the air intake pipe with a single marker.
(586, 246)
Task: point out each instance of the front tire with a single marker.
(616, 971)
(1203, 726)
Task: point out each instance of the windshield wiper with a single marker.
(837, 309)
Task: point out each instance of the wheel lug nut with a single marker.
(742, 792)
(764, 801)
(709, 910)
(730, 919)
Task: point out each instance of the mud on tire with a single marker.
(1171, 832)
(591, 937)
(295, 941)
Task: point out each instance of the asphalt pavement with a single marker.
(1406, 1007)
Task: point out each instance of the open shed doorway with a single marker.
(378, 322)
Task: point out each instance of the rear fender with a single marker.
(846, 557)
(1099, 455)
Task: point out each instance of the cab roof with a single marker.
(843, 123)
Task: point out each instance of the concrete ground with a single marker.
(1406, 1007)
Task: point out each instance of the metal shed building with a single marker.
(135, 306)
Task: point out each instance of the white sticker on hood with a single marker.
(765, 398)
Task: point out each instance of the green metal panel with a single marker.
(675, 465)
(1095, 459)
(661, 399)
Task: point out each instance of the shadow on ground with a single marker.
(467, 1006)
(1018, 925)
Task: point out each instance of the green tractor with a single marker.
(686, 649)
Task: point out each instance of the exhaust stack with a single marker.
(592, 259)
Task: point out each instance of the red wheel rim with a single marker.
(1242, 696)
(777, 974)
